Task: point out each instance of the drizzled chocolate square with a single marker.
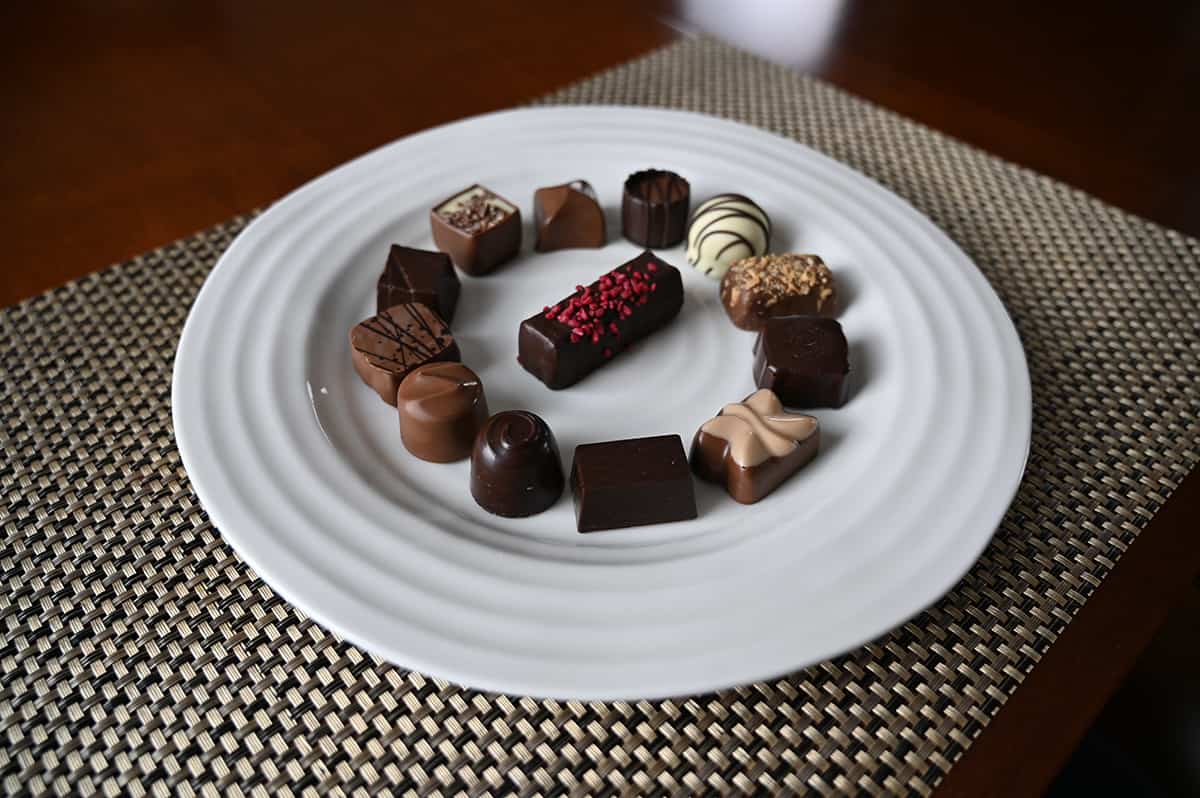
(393, 342)
(477, 228)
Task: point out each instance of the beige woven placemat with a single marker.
(139, 655)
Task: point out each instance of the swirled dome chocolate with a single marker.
(723, 229)
(515, 467)
(441, 408)
(654, 208)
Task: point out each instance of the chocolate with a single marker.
(390, 344)
(567, 217)
(441, 408)
(755, 289)
(753, 446)
(566, 342)
(515, 467)
(804, 360)
(477, 228)
(417, 275)
(654, 208)
(723, 229)
(632, 482)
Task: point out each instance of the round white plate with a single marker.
(301, 467)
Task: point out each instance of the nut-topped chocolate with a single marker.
(752, 446)
(755, 289)
(393, 342)
(654, 208)
(441, 407)
(724, 229)
(804, 360)
(515, 467)
(567, 217)
(572, 338)
(418, 275)
(477, 228)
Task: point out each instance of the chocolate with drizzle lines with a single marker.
(390, 344)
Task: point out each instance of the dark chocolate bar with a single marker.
(567, 341)
(632, 482)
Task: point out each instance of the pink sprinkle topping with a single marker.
(594, 311)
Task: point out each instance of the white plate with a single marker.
(301, 467)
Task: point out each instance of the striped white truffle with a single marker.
(723, 229)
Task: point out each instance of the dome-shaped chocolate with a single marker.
(515, 467)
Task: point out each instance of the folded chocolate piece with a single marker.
(442, 407)
(654, 208)
(478, 228)
(755, 289)
(515, 467)
(566, 342)
(418, 275)
(567, 217)
(804, 360)
(631, 482)
(390, 344)
(752, 446)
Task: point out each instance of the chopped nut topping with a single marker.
(775, 277)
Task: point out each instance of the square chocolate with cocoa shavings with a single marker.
(477, 228)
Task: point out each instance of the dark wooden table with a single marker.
(129, 125)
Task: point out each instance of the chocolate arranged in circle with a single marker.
(478, 228)
(752, 446)
(418, 275)
(755, 289)
(804, 360)
(724, 229)
(390, 344)
(515, 466)
(654, 208)
(567, 217)
(441, 407)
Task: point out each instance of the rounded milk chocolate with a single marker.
(515, 467)
(654, 208)
(441, 406)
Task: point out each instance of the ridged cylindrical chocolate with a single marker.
(441, 406)
(515, 467)
(654, 208)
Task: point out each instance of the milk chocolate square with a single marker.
(477, 228)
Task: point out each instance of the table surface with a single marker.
(129, 126)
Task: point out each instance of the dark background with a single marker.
(129, 124)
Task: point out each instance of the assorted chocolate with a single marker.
(753, 446)
(654, 208)
(477, 228)
(724, 229)
(390, 344)
(566, 341)
(568, 217)
(804, 360)
(515, 467)
(626, 483)
(755, 289)
(441, 406)
(418, 275)
(407, 354)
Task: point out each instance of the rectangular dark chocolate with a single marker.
(626, 483)
(567, 341)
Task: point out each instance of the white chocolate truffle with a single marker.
(723, 229)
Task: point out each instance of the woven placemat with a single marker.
(138, 654)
